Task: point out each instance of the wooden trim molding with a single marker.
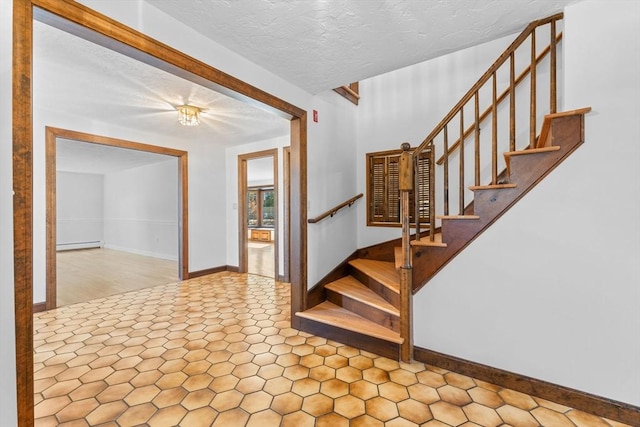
(87, 23)
(207, 271)
(586, 402)
(39, 307)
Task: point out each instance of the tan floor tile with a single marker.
(546, 417)
(175, 379)
(76, 410)
(349, 406)
(286, 403)
(317, 404)
(61, 388)
(202, 417)
(414, 411)
(226, 400)
(448, 413)
(106, 412)
(197, 382)
(114, 392)
(381, 408)
(51, 406)
(348, 374)
(141, 395)
(375, 375)
(394, 392)
(88, 390)
(146, 378)
(169, 397)
(486, 397)
(363, 389)
(516, 416)
(168, 417)
(276, 386)
(298, 419)
(454, 395)
(400, 422)
(264, 418)
(231, 418)
(256, 402)
(366, 421)
(322, 373)
(482, 415)
(517, 399)
(224, 383)
(332, 420)
(136, 415)
(431, 379)
(250, 384)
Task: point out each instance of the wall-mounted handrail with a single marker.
(332, 212)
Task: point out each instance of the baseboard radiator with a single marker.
(79, 245)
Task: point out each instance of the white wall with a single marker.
(141, 210)
(552, 289)
(79, 210)
(8, 408)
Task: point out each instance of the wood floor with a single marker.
(87, 274)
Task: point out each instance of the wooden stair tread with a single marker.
(492, 187)
(349, 286)
(426, 241)
(336, 316)
(532, 151)
(470, 217)
(383, 272)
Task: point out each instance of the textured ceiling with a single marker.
(322, 44)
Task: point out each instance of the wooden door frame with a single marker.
(243, 238)
(51, 136)
(87, 23)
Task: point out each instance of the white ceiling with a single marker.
(85, 157)
(322, 44)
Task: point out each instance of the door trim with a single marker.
(51, 136)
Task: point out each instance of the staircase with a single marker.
(361, 308)
(361, 303)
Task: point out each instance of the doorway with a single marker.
(85, 21)
(159, 236)
(258, 220)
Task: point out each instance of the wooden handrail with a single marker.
(499, 100)
(350, 91)
(332, 212)
(485, 77)
(474, 116)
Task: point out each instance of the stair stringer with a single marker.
(566, 131)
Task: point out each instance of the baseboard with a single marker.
(586, 402)
(233, 268)
(212, 270)
(39, 307)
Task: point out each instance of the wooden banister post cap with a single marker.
(405, 146)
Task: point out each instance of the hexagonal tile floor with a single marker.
(219, 351)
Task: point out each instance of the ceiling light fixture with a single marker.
(188, 115)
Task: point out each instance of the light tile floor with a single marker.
(218, 351)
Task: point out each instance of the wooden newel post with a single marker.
(405, 186)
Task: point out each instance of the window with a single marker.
(383, 194)
(261, 207)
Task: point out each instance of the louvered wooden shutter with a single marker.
(383, 188)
